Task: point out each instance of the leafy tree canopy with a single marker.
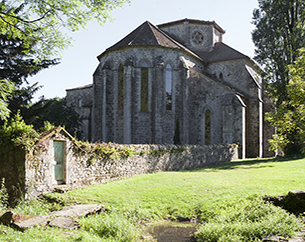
(15, 65)
(290, 118)
(15, 68)
(56, 112)
(278, 35)
(40, 23)
(6, 88)
(32, 33)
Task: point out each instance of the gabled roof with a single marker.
(193, 21)
(146, 35)
(79, 88)
(49, 133)
(239, 95)
(221, 52)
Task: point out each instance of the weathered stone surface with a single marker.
(78, 210)
(81, 171)
(8, 218)
(296, 239)
(64, 222)
(271, 238)
(34, 221)
(298, 194)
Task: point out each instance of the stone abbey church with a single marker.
(176, 82)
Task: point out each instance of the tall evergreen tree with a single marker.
(15, 64)
(31, 35)
(16, 67)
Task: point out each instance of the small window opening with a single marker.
(207, 128)
(168, 86)
(121, 88)
(144, 87)
(220, 76)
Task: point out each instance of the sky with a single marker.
(79, 61)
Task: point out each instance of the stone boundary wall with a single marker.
(149, 159)
(81, 170)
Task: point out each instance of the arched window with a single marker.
(207, 127)
(168, 86)
(144, 87)
(121, 88)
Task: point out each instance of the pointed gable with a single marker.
(148, 34)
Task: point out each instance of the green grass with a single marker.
(212, 195)
(182, 193)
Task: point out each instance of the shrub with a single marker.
(113, 227)
(17, 133)
(250, 222)
(3, 195)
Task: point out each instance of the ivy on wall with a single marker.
(104, 151)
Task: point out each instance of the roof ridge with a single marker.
(151, 26)
(141, 27)
(217, 26)
(174, 41)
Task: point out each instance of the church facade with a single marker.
(175, 83)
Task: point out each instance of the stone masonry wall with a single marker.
(149, 159)
(80, 169)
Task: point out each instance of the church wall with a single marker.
(253, 129)
(217, 36)
(110, 119)
(185, 32)
(157, 125)
(178, 32)
(206, 94)
(235, 74)
(206, 44)
(81, 100)
(142, 120)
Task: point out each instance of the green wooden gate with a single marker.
(59, 159)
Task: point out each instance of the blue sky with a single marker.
(79, 61)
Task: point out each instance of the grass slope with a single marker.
(226, 193)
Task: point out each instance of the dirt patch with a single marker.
(169, 233)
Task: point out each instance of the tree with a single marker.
(56, 112)
(39, 24)
(279, 34)
(31, 33)
(290, 119)
(15, 64)
(6, 88)
(16, 67)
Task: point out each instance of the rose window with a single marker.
(197, 37)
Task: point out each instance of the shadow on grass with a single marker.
(248, 163)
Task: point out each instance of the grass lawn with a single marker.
(212, 195)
